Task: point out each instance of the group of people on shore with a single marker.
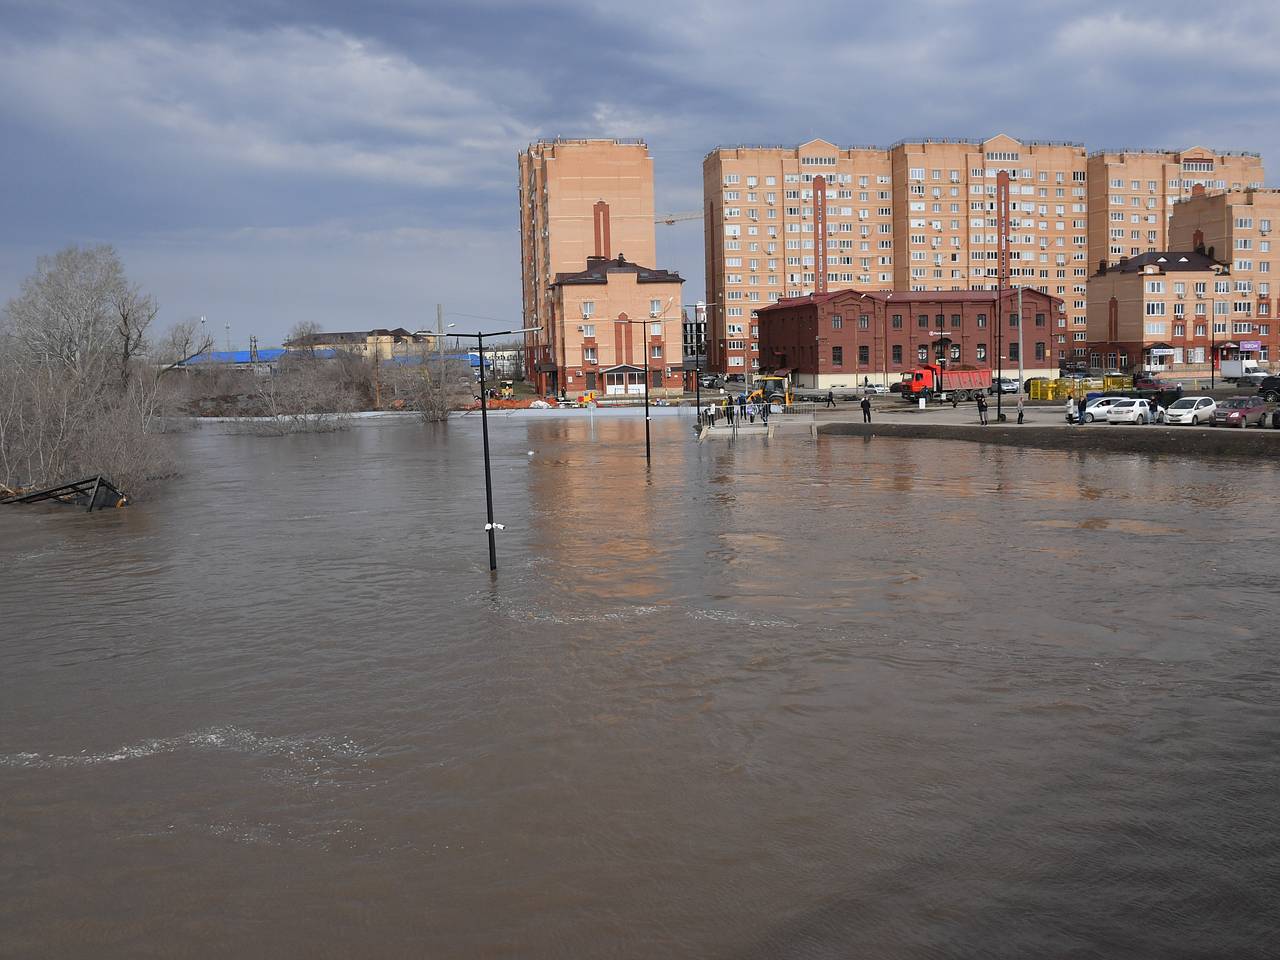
(742, 411)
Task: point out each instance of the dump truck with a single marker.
(932, 380)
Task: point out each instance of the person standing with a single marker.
(765, 407)
(1071, 409)
(1019, 410)
(831, 398)
(866, 409)
(728, 413)
(982, 410)
(751, 412)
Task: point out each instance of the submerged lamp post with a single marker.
(489, 526)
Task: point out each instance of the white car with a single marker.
(876, 388)
(1192, 410)
(1130, 411)
(1096, 409)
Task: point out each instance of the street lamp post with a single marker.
(489, 526)
(1213, 341)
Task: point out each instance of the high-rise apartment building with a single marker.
(1237, 228)
(582, 203)
(1132, 194)
(916, 216)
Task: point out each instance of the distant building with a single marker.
(370, 344)
(562, 185)
(850, 337)
(1155, 311)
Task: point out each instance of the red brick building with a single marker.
(850, 337)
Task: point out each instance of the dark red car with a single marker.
(1240, 412)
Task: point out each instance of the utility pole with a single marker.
(228, 325)
(440, 333)
(1020, 323)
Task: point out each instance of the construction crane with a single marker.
(670, 218)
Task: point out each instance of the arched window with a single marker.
(922, 352)
(980, 351)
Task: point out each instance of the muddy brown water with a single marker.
(803, 698)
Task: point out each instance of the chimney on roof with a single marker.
(600, 214)
(1197, 241)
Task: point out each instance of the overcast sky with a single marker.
(269, 161)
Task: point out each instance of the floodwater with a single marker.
(796, 698)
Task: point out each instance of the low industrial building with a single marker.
(380, 344)
(850, 337)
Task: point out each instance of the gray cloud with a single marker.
(265, 161)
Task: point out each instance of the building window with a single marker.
(1013, 350)
(837, 356)
(655, 378)
(1040, 321)
(982, 321)
(955, 321)
(980, 351)
(954, 353)
(588, 308)
(588, 354)
(1039, 349)
(655, 308)
(864, 355)
(897, 321)
(897, 352)
(588, 329)
(656, 352)
(922, 353)
(837, 322)
(923, 321)
(655, 329)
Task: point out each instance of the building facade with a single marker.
(1133, 193)
(850, 337)
(1164, 311)
(1237, 227)
(378, 344)
(561, 184)
(919, 215)
(621, 326)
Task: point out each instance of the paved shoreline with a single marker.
(1183, 441)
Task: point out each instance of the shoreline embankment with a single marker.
(1179, 441)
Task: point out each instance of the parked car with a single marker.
(1240, 412)
(1096, 409)
(709, 381)
(1129, 411)
(1269, 389)
(1004, 385)
(876, 388)
(1192, 410)
(1144, 381)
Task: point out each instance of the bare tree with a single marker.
(73, 400)
(430, 385)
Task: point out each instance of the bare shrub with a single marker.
(429, 385)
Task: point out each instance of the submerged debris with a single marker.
(92, 493)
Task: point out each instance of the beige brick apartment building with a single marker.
(916, 216)
(1237, 227)
(1132, 195)
(587, 222)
